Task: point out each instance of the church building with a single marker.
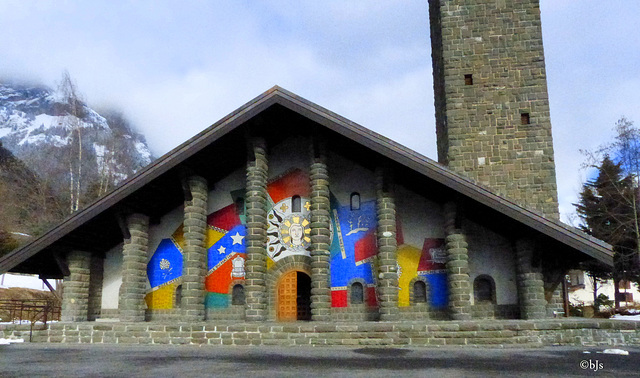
(286, 211)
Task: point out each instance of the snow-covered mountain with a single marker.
(37, 127)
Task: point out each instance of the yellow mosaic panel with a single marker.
(213, 236)
(178, 236)
(161, 298)
(408, 260)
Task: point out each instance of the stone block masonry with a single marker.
(320, 235)
(75, 303)
(491, 100)
(485, 333)
(457, 266)
(195, 253)
(387, 247)
(530, 282)
(256, 213)
(134, 270)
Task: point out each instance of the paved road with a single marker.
(33, 360)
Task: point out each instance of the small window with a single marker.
(178, 297)
(240, 206)
(624, 284)
(355, 201)
(525, 119)
(468, 79)
(483, 289)
(237, 295)
(419, 292)
(357, 293)
(625, 297)
(296, 204)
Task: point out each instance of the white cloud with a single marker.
(177, 67)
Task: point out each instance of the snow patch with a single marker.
(626, 317)
(144, 152)
(10, 341)
(616, 351)
(4, 131)
(47, 121)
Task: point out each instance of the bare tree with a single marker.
(73, 123)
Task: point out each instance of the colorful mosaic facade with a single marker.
(353, 249)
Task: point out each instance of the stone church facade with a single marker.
(285, 211)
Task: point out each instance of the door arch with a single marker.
(293, 294)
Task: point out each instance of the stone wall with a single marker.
(492, 106)
(516, 333)
(355, 313)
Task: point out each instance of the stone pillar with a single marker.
(530, 282)
(134, 269)
(457, 266)
(75, 298)
(194, 266)
(95, 287)
(320, 236)
(256, 213)
(387, 247)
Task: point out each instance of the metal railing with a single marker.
(33, 310)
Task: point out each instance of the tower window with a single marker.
(296, 204)
(525, 119)
(357, 293)
(355, 201)
(468, 79)
(419, 292)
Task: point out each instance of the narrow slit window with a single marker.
(525, 119)
(178, 297)
(296, 204)
(237, 295)
(468, 79)
(240, 206)
(355, 201)
(357, 293)
(419, 292)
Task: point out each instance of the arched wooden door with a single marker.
(294, 297)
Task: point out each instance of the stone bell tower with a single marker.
(491, 100)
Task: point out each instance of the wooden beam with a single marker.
(51, 289)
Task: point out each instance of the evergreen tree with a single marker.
(607, 208)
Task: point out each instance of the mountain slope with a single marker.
(77, 151)
(56, 158)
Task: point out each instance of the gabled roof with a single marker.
(100, 218)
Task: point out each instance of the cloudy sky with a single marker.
(175, 67)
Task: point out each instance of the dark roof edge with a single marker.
(413, 160)
(148, 173)
(418, 162)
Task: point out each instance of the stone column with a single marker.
(530, 282)
(320, 236)
(134, 269)
(95, 286)
(256, 213)
(75, 298)
(194, 267)
(387, 248)
(457, 266)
